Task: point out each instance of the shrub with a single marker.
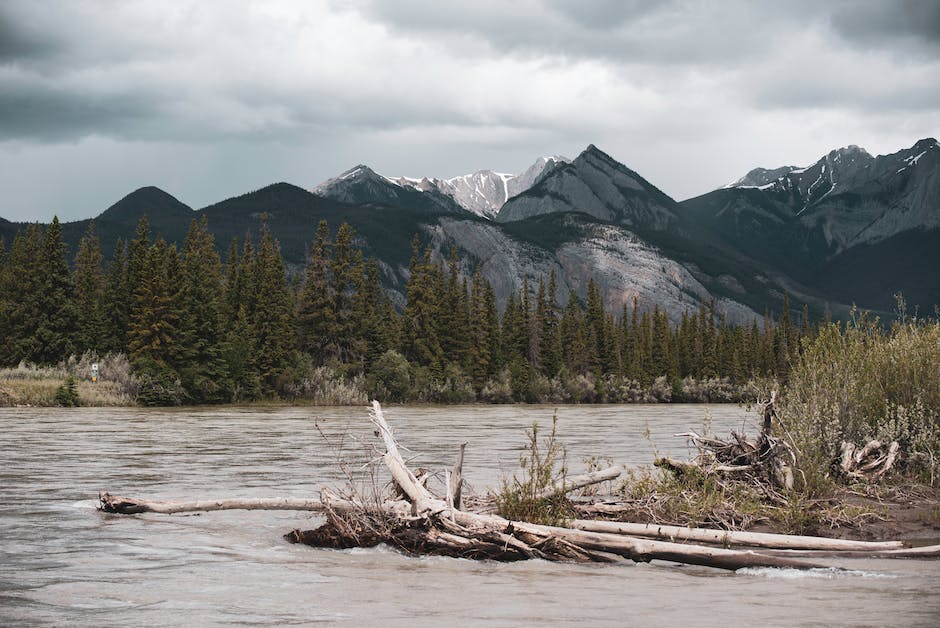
(860, 383)
(67, 394)
(390, 377)
(542, 464)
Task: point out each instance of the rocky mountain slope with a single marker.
(597, 185)
(848, 205)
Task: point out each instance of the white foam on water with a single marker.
(828, 573)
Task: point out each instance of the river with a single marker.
(64, 563)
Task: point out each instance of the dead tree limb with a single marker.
(728, 538)
(574, 483)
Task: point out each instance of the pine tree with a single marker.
(154, 329)
(479, 356)
(572, 334)
(420, 341)
(347, 270)
(550, 344)
(55, 327)
(203, 370)
(91, 321)
(271, 320)
(20, 290)
(454, 316)
(315, 316)
(117, 300)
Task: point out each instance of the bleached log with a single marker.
(925, 552)
(639, 550)
(728, 538)
(130, 505)
(848, 457)
(893, 449)
(421, 499)
(567, 485)
(455, 481)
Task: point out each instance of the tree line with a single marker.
(198, 329)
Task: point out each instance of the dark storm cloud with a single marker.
(874, 23)
(19, 38)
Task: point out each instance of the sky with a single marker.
(209, 99)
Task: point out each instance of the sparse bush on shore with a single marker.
(858, 383)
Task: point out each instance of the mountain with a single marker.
(599, 186)
(362, 185)
(484, 192)
(849, 228)
(167, 215)
(806, 219)
(761, 176)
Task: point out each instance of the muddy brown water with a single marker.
(64, 563)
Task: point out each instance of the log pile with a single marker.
(766, 462)
(417, 521)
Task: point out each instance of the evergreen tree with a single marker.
(154, 329)
(91, 318)
(571, 330)
(454, 315)
(55, 327)
(117, 300)
(548, 315)
(421, 344)
(347, 271)
(479, 357)
(271, 320)
(203, 370)
(315, 317)
(20, 289)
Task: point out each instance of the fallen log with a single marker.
(728, 538)
(566, 485)
(925, 552)
(131, 506)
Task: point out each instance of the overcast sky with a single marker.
(209, 100)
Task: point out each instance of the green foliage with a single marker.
(859, 383)
(542, 464)
(67, 394)
(390, 377)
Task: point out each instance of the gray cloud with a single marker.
(878, 23)
(690, 94)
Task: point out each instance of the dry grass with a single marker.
(31, 385)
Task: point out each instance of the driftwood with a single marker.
(423, 523)
(729, 538)
(132, 506)
(766, 461)
(870, 461)
(568, 484)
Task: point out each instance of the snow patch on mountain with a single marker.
(483, 192)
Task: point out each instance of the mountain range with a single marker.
(850, 228)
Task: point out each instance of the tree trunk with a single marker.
(728, 538)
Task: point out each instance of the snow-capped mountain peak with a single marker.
(483, 192)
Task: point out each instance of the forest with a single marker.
(194, 328)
